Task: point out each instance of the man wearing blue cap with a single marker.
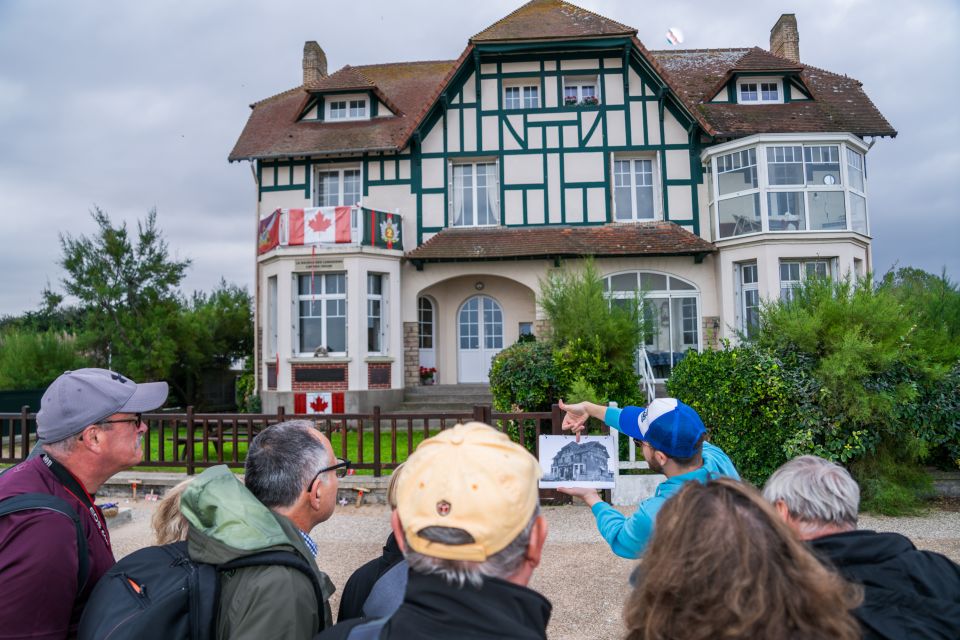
(671, 435)
(55, 541)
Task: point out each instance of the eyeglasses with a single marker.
(342, 468)
(136, 420)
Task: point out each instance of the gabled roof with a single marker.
(504, 243)
(551, 19)
(406, 88)
(839, 104)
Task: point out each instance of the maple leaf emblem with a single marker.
(320, 222)
(319, 405)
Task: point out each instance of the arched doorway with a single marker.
(479, 337)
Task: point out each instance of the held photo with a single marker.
(568, 463)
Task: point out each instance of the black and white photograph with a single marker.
(568, 463)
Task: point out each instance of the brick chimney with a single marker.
(314, 63)
(784, 38)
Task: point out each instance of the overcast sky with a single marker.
(135, 105)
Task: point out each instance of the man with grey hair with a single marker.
(908, 593)
(54, 538)
(290, 486)
(468, 521)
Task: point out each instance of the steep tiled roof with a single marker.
(551, 19)
(498, 243)
(839, 103)
(407, 88)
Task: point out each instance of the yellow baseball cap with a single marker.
(470, 477)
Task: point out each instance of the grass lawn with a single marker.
(336, 439)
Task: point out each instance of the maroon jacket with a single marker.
(38, 555)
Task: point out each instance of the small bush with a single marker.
(33, 359)
(523, 376)
(891, 486)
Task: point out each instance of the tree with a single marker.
(128, 290)
(33, 359)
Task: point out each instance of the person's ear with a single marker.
(783, 511)
(660, 457)
(397, 527)
(90, 437)
(538, 536)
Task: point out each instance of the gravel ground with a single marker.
(586, 583)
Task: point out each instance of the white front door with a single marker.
(479, 337)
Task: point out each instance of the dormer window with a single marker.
(581, 91)
(347, 108)
(521, 96)
(760, 91)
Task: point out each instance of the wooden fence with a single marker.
(198, 440)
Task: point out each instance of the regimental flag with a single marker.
(319, 225)
(268, 234)
(381, 229)
(318, 402)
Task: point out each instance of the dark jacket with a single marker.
(433, 609)
(228, 522)
(358, 587)
(907, 593)
(38, 563)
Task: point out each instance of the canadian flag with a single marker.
(319, 224)
(319, 402)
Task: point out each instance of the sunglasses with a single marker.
(342, 468)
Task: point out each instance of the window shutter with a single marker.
(450, 194)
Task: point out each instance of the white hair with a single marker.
(816, 492)
(502, 564)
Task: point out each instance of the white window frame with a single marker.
(743, 288)
(804, 267)
(340, 170)
(578, 83)
(759, 81)
(382, 299)
(851, 154)
(523, 87)
(454, 195)
(763, 146)
(322, 297)
(273, 327)
(355, 107)
(655, 180)
(423, 323)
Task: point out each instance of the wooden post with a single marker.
(24, 432)
(377, 465)
(478, 413)
(191, 467)
(552, 496)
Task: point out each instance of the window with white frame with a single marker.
(322, 301)
(338, 187)
(476, 194)
(272, 317)
(748, 309)
(347, 108)
(760, 91)
(425, 323)
(802, 187)
(376, 335)
(583, 91)
(794, 272)
(633, 189)
(523, 95)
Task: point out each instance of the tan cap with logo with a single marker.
(470, 477)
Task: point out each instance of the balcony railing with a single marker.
(330, 226)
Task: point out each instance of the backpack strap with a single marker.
(34, 501)
(386, 596)
(283, 558)
(368, 630)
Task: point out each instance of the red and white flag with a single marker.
(319, 225)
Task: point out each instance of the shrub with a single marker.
(33, 359)
(523, 376)
(746, 400)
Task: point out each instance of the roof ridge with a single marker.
(699, 50)
(560, 4)
(277, 95)
(391, 64)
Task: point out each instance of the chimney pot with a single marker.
(785, 38)
(314, 63)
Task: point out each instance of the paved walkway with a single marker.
(586, 583)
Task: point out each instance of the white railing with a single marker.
(647, 379)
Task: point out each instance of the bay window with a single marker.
(788, 187)
(322, 302)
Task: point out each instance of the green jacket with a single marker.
(228, 522)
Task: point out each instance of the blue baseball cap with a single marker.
(666, 424)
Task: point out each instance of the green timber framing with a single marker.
(653, 89)
(792, 82)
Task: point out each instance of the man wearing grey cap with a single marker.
(90, 428)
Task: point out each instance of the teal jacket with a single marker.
(228, 522)
(628, 537)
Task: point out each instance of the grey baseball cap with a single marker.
(83, 397)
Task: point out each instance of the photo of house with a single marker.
(407, 211)
(568, 463)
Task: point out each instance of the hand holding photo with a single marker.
(577, 461)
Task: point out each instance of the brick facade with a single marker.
(411, 354)
(321, 386)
